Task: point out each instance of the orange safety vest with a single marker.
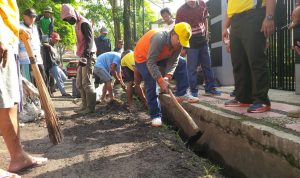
(143, 46)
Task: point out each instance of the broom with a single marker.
(54, 131)
(188, 124)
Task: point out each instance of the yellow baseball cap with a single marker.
(184, 32)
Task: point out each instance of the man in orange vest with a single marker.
(162, 48)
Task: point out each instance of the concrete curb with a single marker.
(250, 148)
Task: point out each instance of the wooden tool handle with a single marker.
(54, 131)
(193, 126)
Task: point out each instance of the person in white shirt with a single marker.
(167, 17)
(29, 16)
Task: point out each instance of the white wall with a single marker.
(223, 73)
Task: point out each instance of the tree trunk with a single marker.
(128, 42)
(115, 4)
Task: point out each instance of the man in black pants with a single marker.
(251, 23)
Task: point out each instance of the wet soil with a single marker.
(112, 142)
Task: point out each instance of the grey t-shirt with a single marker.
(157, 43)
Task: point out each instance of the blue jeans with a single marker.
(180, 75)
(196, 57)
(59, 82)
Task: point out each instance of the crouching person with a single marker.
(162, 48)
(133, 77)
(108, 65)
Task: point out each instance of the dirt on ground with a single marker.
(113, 142)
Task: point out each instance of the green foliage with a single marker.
(100, 11)
(149, 17)
(65, 1)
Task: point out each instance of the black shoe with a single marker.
(66, 95)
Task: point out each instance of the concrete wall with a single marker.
(222, 70)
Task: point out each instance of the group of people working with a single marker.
(251, 22)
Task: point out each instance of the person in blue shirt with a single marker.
(102, 42)
(29, 16)
(107, 65)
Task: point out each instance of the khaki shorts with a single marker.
(103, 75)
(9, 82)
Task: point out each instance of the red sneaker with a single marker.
(235, 103)
(258, 108)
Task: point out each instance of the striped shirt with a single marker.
(196, 18)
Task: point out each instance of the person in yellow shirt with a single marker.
(251, 22)
(10, 90)
(133, 77)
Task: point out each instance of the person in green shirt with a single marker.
(45, 22)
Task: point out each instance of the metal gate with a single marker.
(280, 54)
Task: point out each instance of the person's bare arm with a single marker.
(207, 30)
(117, 75)
(268, 24)
(295, 17)
(225, 33)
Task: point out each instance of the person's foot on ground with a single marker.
(156, 122)
(187, 98)
(212, 92)
(6, 174)
(294, 113)
(258, 108)
(235, 103)
(25, 162)
(66, 95)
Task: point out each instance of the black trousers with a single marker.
(250, 68)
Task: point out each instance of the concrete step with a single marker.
(253, 145)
